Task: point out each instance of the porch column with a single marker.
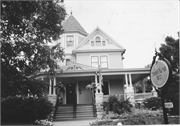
(130, 92)
(52, 98)
(153, 89)
(77, 90)
(98, 99)
(100, 84)
(54, 88)
(50, 86)
(143, 86)
(96, 83)
(154, 93)
(130, 81)
(127, 86)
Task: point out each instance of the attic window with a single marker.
(98, 41)
(103, 43)
(92, 43)
(70, 40)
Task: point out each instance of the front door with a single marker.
(70, 94)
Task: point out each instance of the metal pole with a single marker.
(164, 109)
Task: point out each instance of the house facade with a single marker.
(91, 58)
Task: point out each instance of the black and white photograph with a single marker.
(89, 62)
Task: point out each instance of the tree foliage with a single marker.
(170, 50)
(27, 27)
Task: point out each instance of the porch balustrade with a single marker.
(143, 95)
(105, 97)
(137, 96)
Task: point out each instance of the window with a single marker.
(99, 60)
(103, 43)
(98, 41)
(94, 61)
(70, 40)
(68, 61)
(92, 43)
(105, 88)
(104, 62)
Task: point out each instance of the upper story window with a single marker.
(94, 61)
(98, 41)
(102, 60)
(70, 40)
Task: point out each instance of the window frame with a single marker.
(104, 43)
(104, 61)
(92, 43)
(99, 61)
(98, 41)
(67, 45)
(95, 62)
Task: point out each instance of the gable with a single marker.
(91, 42)
(76, 66)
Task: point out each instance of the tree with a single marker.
(27, 27)
(170, 50)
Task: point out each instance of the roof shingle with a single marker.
(72, 25)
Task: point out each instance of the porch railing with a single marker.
(105, 97)
(143, 95)
(137, 96)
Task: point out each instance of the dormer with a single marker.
(98, 41)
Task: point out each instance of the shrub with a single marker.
(153, 103)
(116, 105)
(108, 105)
(142, 117)
(103, 122)
(26, 110)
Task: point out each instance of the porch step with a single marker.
(65, 112)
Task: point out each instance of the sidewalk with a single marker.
(73, 123)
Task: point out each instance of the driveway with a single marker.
(74, 123)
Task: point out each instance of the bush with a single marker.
(142, 117)
(116, 105)
(103, 122)
(153, 103)
(26, 110)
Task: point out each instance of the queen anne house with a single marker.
(90, 58)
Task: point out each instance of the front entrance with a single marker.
(70, 94)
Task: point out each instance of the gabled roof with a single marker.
(72, 25)
(114, 47)
(76, 66)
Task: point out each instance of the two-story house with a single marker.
(84, 55)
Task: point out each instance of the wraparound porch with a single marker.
(117, 81)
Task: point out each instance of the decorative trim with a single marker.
(74, 67)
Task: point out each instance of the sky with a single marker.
(139, 26)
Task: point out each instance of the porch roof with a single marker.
(80, 70)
